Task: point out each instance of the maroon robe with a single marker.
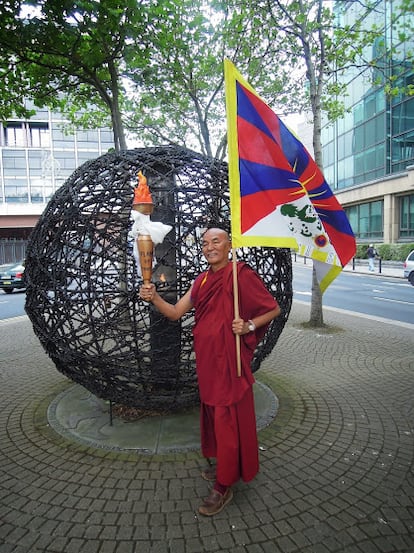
(228, 422)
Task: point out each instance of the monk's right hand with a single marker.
(147, 292)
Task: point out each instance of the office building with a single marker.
(37, 155)
(368, 156)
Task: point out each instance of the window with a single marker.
(366, 219)
(32, 135)
(328, 154)
(358, 113)
(14, 163)
(403, 117)
(359, 143)
(39, 136)
(370, 107)
(15, 190)
(14, 134)
(407, 216)
(403, 149)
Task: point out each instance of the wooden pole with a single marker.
(236, 309)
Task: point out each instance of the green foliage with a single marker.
(384, 251)
(387, 252)
(156, 67)
(68, 56)
(180, 90)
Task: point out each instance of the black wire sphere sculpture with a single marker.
(83, 277)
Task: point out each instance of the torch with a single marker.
(143, 204)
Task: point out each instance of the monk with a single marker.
(227, 414)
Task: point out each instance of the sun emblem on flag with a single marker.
(320, 240)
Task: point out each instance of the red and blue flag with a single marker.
(278, 195)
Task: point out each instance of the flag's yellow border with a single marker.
(231, 75)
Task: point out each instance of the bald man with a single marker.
(227, 414)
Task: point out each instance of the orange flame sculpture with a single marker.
(142, 196)
(143, 203)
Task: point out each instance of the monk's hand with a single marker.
(240, 327)
(147, 292)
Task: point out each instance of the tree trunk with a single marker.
(315, 76)
(117, 124)
(316, 314)
(118, 129)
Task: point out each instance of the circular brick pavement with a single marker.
(336, 462)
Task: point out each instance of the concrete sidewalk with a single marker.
(336, 461)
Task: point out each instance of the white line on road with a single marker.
(393, 301)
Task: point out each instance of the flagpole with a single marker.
(236, 309)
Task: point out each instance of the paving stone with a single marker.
(336, 462)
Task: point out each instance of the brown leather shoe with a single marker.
(209, 474)
(215, 502)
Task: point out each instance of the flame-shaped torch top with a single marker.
(142, 196)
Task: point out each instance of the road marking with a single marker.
(385, 283)
(394, 301)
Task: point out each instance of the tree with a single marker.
(181, 91)
(70, 56)
(120, 61)
(305, 37)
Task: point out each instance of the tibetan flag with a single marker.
(278, 195)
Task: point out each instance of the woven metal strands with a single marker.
(83, 277)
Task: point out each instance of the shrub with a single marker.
(387, 252)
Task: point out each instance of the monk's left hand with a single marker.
(240, 327)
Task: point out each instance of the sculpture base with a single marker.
(78, 415)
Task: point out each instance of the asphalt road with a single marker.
(12, 305)
(371, 295)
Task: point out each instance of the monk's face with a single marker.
(216, 247)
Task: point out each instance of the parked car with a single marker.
(409, 267)
(12, 276)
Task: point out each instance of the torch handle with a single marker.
(146, 254)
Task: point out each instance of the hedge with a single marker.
(387, 252)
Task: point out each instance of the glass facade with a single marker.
(375, 139)
(38, 155)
